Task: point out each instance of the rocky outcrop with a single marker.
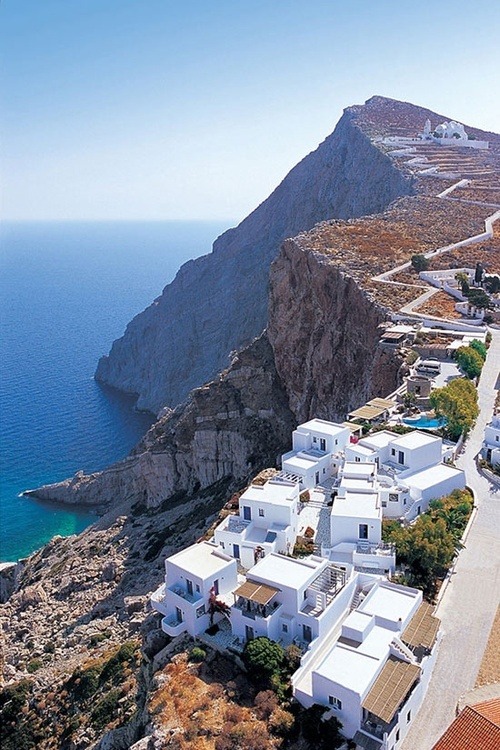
(324, 330)
(218, 303)
(232, 427)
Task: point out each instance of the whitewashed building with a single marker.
(267, 522)
(372, 670)
(491, 445)
(291, 600)
(193, 577)
(411, 470)
(315, 445)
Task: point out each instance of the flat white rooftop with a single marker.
(271, 492)
(321, 426)
(392, 602)
(356, 668)
(357, 505)
(426, 478)
(359, 470)
(379, 439)
(202, 559)
(301, 461)
(361, 450)
(415, 439)
(360, 484)
(278, 570)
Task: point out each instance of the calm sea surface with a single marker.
(66, 291)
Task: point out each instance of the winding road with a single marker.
(469, 603)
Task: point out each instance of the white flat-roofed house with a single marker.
(356, 521)
(314, 444)
(372, 448)
(414, 451)
(192, 577)
(291, 600)
(267, 522)
(411, 470)
(491, 445)
(373, 671)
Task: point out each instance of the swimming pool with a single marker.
(424, 422)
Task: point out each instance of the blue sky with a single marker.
(160, 109)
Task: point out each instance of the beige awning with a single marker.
(367, 412)
(391, 688)
(422, 629)
(256, 592)
(381, 403)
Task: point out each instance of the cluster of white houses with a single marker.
(368, 644)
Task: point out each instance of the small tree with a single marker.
(478, 298)
(457, 402)
(492, 284)
(419, 262)
(463, 281)
(479, 347)
(470, 361)
(263, 658)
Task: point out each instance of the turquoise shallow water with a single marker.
(66, 291)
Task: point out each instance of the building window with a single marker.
(397, 736)
(393, 497)
(335, 702)
(324, 471)
(384, 504)
(357, 459)
(200, 611)
(363, 531)
(284, 628)
(408, 716)
(198, 588)
(393, 451)
(401, 457)
(222, 545)
(247, 513)
(315, 440)
(322, 444)
(261, 512)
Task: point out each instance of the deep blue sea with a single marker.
(67, 290)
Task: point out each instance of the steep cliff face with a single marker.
(231, 427)
(218, 303)
(324, 332)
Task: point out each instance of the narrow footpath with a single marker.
(469, 603)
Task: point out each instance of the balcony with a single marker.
(172, 626)
(252, 610)
(158, 600)
(179, 590)
(382, 548)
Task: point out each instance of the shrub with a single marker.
(479, 347)
(263, 659)
(34, 665)
(281, 722)
(265, 703)
(83, 684)
(197, 654)
(105, 709)
(419, 262)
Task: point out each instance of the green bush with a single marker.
(197, 654)
(83, 684)
(34, 665)
(105, 709)
(479, 347)
(263, 658)
(470, 361)
(456, 401)
(419, 262)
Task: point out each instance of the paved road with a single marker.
(469, 603)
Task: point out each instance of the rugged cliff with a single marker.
(218, 303)
(324, 330)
